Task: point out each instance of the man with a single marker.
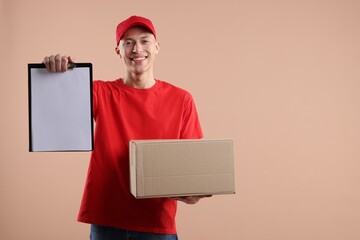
(137, 106)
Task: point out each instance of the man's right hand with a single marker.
(57, 63)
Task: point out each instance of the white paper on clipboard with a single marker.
(60, 109)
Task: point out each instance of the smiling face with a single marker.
(138, 48)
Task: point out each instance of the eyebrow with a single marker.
(132, 39)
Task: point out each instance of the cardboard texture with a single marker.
(169, 168)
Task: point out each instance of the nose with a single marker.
(137, 47)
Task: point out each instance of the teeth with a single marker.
(139, 58)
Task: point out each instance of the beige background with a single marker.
(280, 77)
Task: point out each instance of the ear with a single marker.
(157, 47)
(117, 50)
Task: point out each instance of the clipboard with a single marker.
(60, 109)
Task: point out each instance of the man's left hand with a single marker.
(191, 199)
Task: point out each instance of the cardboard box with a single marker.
(169, 168)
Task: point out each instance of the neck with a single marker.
(139, 81)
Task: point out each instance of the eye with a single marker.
(128, 43)
(144, 41)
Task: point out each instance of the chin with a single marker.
(140, 70)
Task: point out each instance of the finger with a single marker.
(52, 63)
(58, 59)
(192, 200)
(205, 196)
(64, 63)
(71, 59)
(46, 61)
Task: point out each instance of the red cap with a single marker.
(133, 21)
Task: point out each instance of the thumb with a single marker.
(71, 59)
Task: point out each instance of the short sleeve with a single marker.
(190, 127)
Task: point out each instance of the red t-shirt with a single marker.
(122, 113)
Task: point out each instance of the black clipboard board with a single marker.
(60, 109)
